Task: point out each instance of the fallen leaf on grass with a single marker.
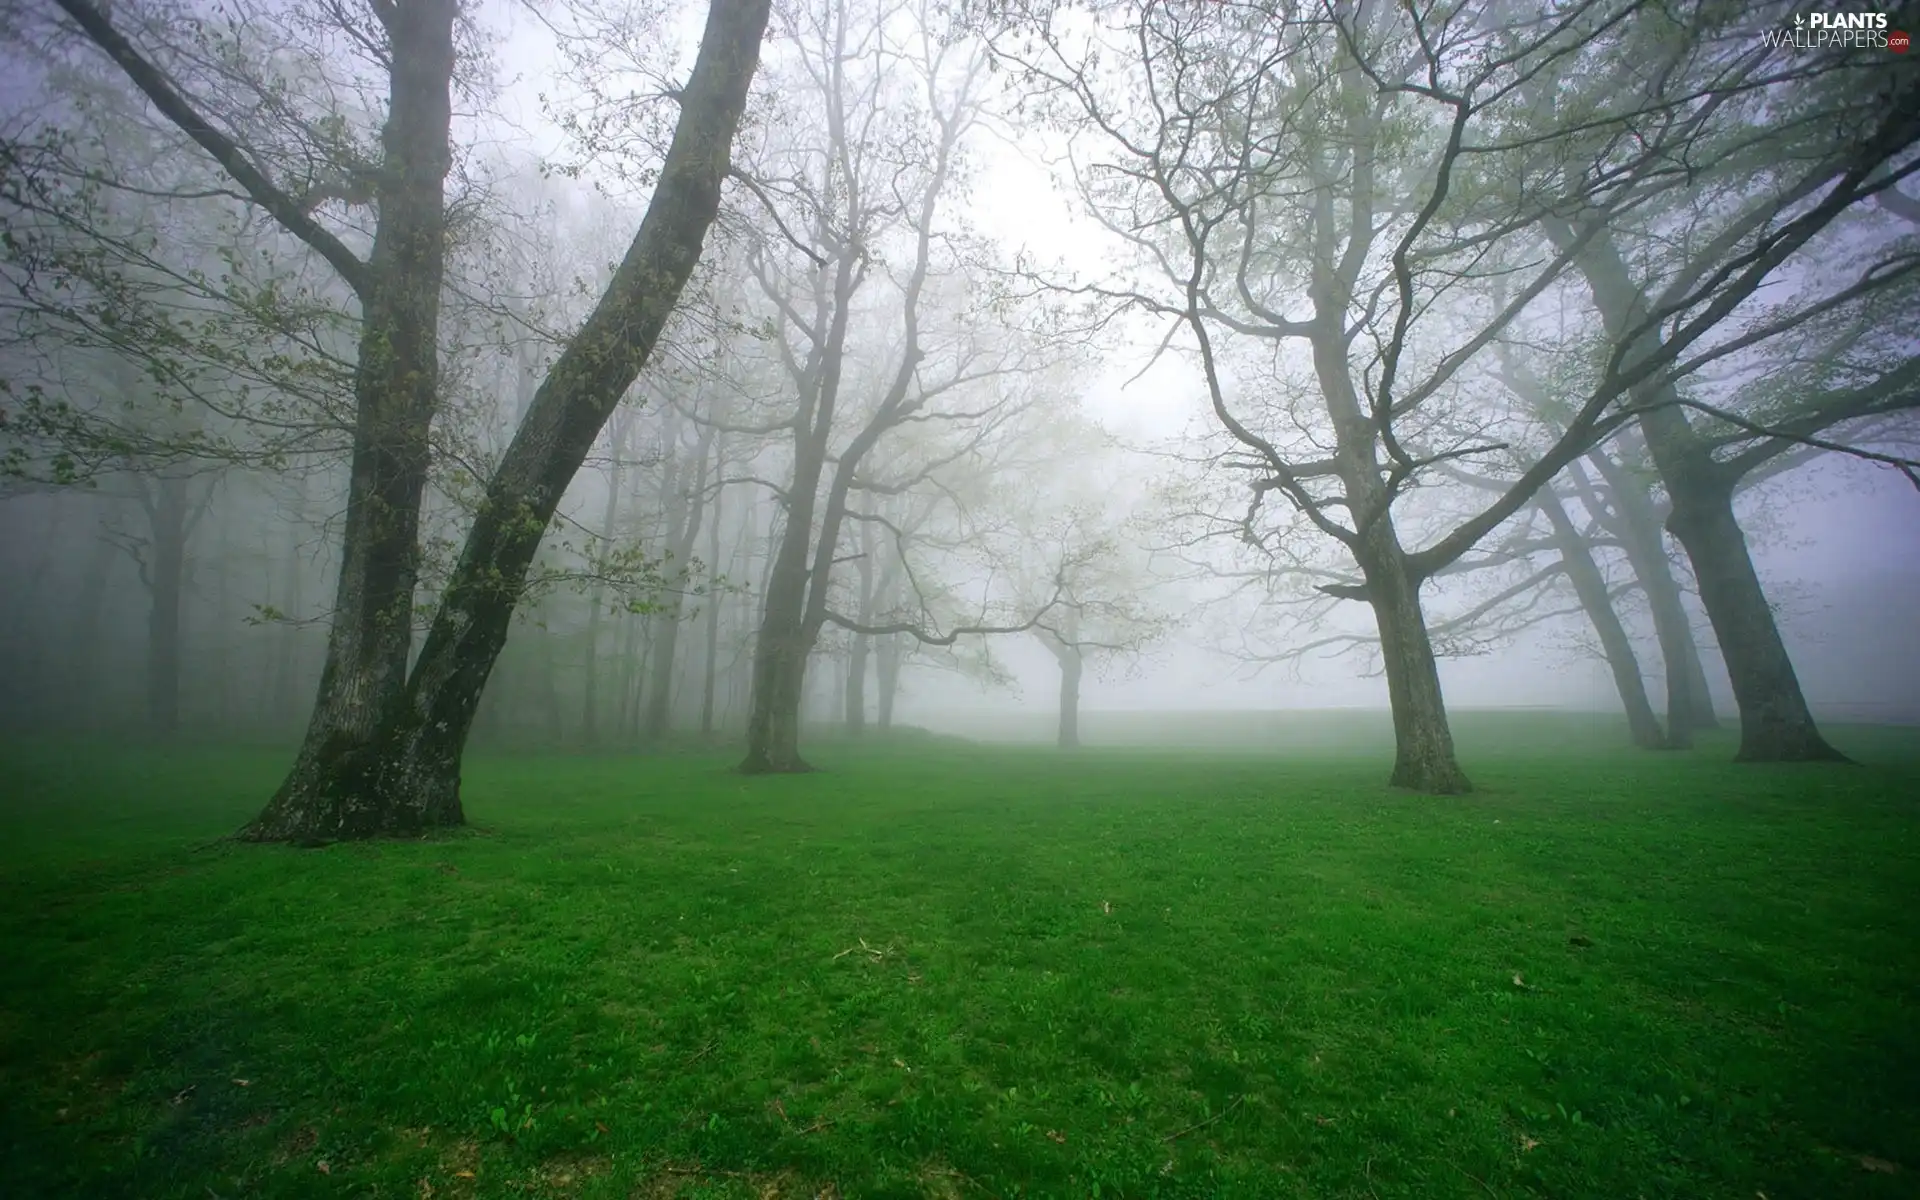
(1520, 983)
(1880, 1165)
(243, 1083)
(603, 1129)
(1057, 1136)
(1527, 1143)
(324, 1168)
(463, 1174)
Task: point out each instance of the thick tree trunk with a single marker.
(1775, 722)
(1591, 588)
(888, 658)
(1071, 666)
(1423, 742)
(407, 779)
(396, 390)
(779, 681)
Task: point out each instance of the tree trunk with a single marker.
(856, 711)
(1423, 742)
(1775, 722)
(888, 658)
(684, 532)
(1071, 666)
(859, 645)
(710, 661)
(1591, 587)
(396, 390)
(1689, 699)
(408, 780)
(779, 679)
(597, 595)
(786, 639)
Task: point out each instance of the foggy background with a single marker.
(1837, 541)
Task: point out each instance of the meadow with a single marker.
(939, 968)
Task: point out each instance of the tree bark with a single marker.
(1775, 723)
(1423, 740)
(409, 779)
(396, 390)
(1591, 588)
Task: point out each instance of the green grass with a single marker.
(947, 970)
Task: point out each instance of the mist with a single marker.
(421, 418)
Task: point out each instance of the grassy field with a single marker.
(945, 970)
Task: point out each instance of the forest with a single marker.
(1165, 598)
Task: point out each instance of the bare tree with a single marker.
(1319, 202)
(870, 252)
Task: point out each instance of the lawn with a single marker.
(951, 970)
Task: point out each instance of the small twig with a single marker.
(877, 954)
(671, 1170)
(1235, 1103)
(701, 1053)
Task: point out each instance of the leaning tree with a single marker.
(1320, 200)
(382, 752)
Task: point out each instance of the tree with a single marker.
(1776, 724)
(1102, 616)
(1374, 168)
(868, 252)
(411, 770)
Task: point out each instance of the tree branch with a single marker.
(175, 107)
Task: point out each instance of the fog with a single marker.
(943, 316)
